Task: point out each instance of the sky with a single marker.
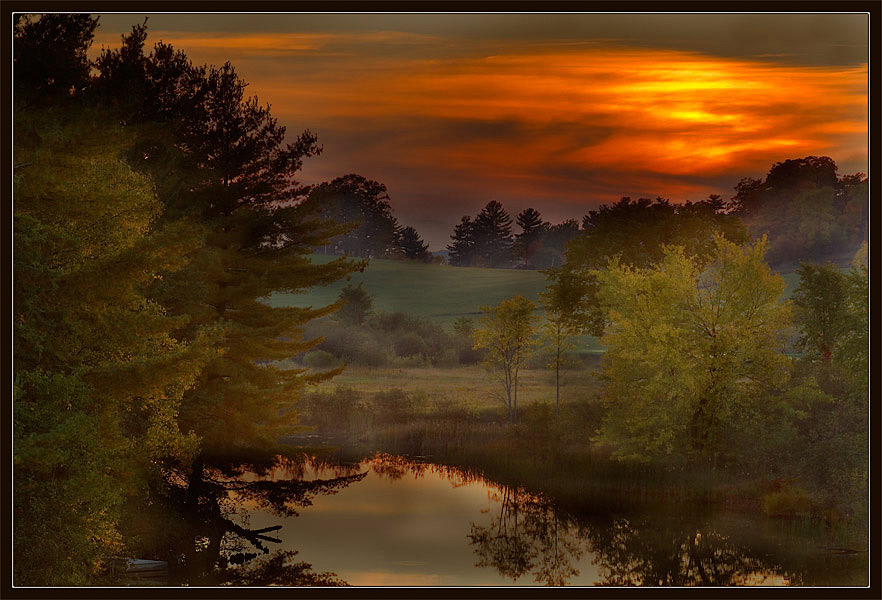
(559, 112)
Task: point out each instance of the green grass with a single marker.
(442, 293)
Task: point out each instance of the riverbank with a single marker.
(449, 416)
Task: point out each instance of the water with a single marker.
(407, 523)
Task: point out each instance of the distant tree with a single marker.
(693, 350)
(807, 210)
(410, 245)
(357, 304)
(506, 334)
(636, 232)
(462, 250)
(528, 242)
(364, 204)
(553, 244)
(485, 241)
(492, 235)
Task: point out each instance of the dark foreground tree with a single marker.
(99, 374)
(232, 173)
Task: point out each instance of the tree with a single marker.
(636, 232)
(492, 236)
(99, 372)
(830, 387)
(49, 54)
(693, 351)
(807, 210)
(463, 247)
(410, 245)
(506, 332)
(529, 241)
(558, 336)
(364, 204)
(224, 164)
(356, 306)
(485, 241)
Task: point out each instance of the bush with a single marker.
(319, 359)
(410, 344)
(789, 501)
(393, 406)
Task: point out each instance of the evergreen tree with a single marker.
(462, 250)
(492, 235)
(99, 375)
(529, 241)
(411, 245)
(49, 54)
(232, 173)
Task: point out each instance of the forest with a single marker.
(189, 319)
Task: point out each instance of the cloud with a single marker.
(447, 125)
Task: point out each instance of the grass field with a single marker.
(442, 293)
(471, 385)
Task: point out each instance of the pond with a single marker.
(413, 523)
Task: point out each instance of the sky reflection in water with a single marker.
(413, 524)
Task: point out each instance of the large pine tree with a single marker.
(233, 173)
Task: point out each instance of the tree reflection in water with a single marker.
(528, 536)
(676, 554)
(207, 539)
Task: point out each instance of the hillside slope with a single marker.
(442, 293)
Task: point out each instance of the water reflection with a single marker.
(528, 536)
(676, 553)
(208, 540)
(412, 522)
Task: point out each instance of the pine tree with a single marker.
(492, 235)
(232, 173)
(99, 377)
(411, 245)
(462, 250)
(529, 241)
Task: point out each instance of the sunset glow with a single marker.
(554, 124)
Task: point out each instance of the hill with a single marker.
(442, 293)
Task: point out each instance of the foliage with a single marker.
(409, 244)
(694, 351)
(233, 174)
(506, 333)
(356, 304)
(807, 210)
(49, 54)
(557, 334)
(636, 232)
(99, 376)
(364, 205)
(485, 241)
(831, 310)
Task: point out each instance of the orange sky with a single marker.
(449, 122)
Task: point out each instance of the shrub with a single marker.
(319, 359)
(393, 406)
(410, 344)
